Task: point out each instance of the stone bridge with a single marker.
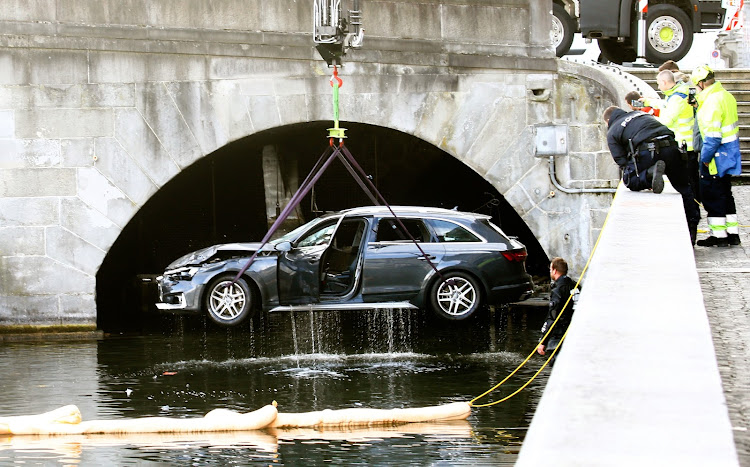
(104, 102)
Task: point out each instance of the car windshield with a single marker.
(319, 235)
(291, 236)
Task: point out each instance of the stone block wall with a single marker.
(103, 102)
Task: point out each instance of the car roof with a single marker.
(411, 210)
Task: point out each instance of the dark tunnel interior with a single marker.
(221, 198)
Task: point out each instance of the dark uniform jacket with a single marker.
(636, 126)
(558, 297)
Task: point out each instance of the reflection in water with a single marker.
(306, 362)
(261, 444)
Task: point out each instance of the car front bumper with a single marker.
(177, 295)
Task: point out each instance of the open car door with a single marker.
(298, 270)
(324, 260)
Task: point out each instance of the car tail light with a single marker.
(515, 256)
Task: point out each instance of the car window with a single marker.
(290, 236)
(494, 227)
(390, 231)
(349, 234)
(320, 235)
(450, 232)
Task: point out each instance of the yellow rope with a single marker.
(471, 403)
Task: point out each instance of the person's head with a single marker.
(557, 268)
(669, 65)
(680, 77)
(608, 113)
(630, 97)
(702, 77)
(665, 80)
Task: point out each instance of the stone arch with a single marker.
(411, 172)
(138, 136)
(487, 121)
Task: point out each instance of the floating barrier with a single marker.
(68, 421)
(372, 417)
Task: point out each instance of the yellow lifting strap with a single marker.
(472, 402)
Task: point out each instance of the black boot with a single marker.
(693, 228)
(734, 239)
(713, 241)
(655, 174)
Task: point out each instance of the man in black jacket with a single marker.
(645, 150)
(560, 304)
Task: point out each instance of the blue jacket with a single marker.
(719, 127)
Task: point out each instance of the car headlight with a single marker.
(182, 274)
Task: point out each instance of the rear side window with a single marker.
(495, 228)
(448, 232)
(390, 231)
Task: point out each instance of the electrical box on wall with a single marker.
(551, 140)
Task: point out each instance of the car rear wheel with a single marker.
(455, 296)
(227, 303)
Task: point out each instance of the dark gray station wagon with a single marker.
(357, 259)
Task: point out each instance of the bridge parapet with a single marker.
(637, 379)
(482, 34)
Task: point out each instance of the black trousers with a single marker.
(694, 173)
(676, 170)
(718, 200)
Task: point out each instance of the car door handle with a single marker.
(426, 257)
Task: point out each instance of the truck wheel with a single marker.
(229, 304)
(563, 29)
(617, 52)
(455, 296)
(669, 33)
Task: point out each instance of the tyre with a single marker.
(455, 296)
(563, 29)
(669, 33)
(617, 52)
(229, 304)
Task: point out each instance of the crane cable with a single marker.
(472, 402)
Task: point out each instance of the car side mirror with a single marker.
(283, 246)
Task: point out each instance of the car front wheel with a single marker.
(227, 303)
(455, 296)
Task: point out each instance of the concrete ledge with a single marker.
(637, 381)
(71, 332)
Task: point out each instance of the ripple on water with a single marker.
(309, 373)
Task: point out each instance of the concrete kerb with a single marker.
(637, 381)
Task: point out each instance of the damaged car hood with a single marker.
(198, 257)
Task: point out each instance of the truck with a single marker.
(670, 25)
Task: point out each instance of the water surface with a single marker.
(304, 362)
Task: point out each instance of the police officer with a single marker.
(720, 157)
(560, 304)
(645, 150)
